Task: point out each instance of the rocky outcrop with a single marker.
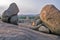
(50, 16)
(14, 32)
(10, 15)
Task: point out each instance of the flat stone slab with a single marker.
(13, 32)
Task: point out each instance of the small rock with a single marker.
(38, 21)
(36, 27)
(43, 29)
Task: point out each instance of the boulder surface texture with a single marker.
(50, 16)
(10, 14)
(14, 32)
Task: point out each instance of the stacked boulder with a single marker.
(39, 26)
(10, 15)
(50, 16)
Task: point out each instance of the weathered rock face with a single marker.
(10, 14)
(50, 16)
(14, 32)
(14, 20)
(38, 21)
(13, 8)
(44, 29)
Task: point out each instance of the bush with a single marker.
(31, 17)
(22, 17)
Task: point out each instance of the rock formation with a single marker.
(10, 15)
(50, 16)
(44, 29)
(14, 32)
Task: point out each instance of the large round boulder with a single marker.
(50, 16)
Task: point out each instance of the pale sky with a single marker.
(28, 6)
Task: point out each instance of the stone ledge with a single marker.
(13, 32)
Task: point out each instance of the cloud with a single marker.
(27, 6)
(30, 6)
(4, 2)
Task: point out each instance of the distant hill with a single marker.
(29, 16)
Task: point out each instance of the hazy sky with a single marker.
(29, 6)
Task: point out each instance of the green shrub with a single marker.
(31, 17)
(22, 17)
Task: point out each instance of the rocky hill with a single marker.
(14, 32)
(10, 29)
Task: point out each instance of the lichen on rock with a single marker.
(50, 16)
